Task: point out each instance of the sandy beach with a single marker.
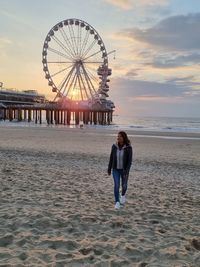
(57, 203)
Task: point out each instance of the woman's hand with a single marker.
(125, 172)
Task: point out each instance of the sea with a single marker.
(156, 124)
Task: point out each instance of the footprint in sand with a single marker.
(196, 243)
(23, 256)
(85, 251)
(6, 240)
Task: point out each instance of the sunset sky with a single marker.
(156, 70)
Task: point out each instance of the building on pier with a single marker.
(13, 97)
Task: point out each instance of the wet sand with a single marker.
(57, 203)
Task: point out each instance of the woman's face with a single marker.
(120, 139)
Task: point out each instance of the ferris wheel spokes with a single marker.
(63, 85)
(71, 32)
(84, 43)
(84, 87)
(89, 48)
(88, 81)
(59, 53)
(79, 39)
(62, 46)
(60, 62)
(92, 55)
(54, 74)
(88, 70)
(67, 41)
(73, 90)
(80, 87)
(70, 85)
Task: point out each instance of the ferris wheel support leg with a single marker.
(29, 115)
(103, 118)
(86, 117)
(95, 117)
(106, 116)
(47, 116)
(64, 117)
(81, 116)
(61, 117)
(4, 114)
(54, 115)
(77, 117)
(68, 117)
(62, 122)
(99, 117)
(24, 114)
(51, 116)
(111, 118)
(91, 117)
(105, 121)
(40, 116)
(36, 116)
(58, 116)
(15, 117)
(20, 115)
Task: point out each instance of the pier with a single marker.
(56, 113)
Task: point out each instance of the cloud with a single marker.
(174, 97)
(139, 88)
(182, 79)
(4, 42)
(132, 72)
(179, 33)
(168, 61)
(173, 42)
(124, 4)
(129, 4)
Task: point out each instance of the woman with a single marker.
(120, 163)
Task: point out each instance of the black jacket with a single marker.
(127, 158)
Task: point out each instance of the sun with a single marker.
(75, 94)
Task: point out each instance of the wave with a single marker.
(137, 126)
(124, 123)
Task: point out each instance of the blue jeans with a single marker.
(117, 173)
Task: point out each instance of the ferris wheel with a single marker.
(75, 61)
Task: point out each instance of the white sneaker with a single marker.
(122, 200)
(117, 205)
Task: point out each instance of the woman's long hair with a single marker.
(125, 137)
